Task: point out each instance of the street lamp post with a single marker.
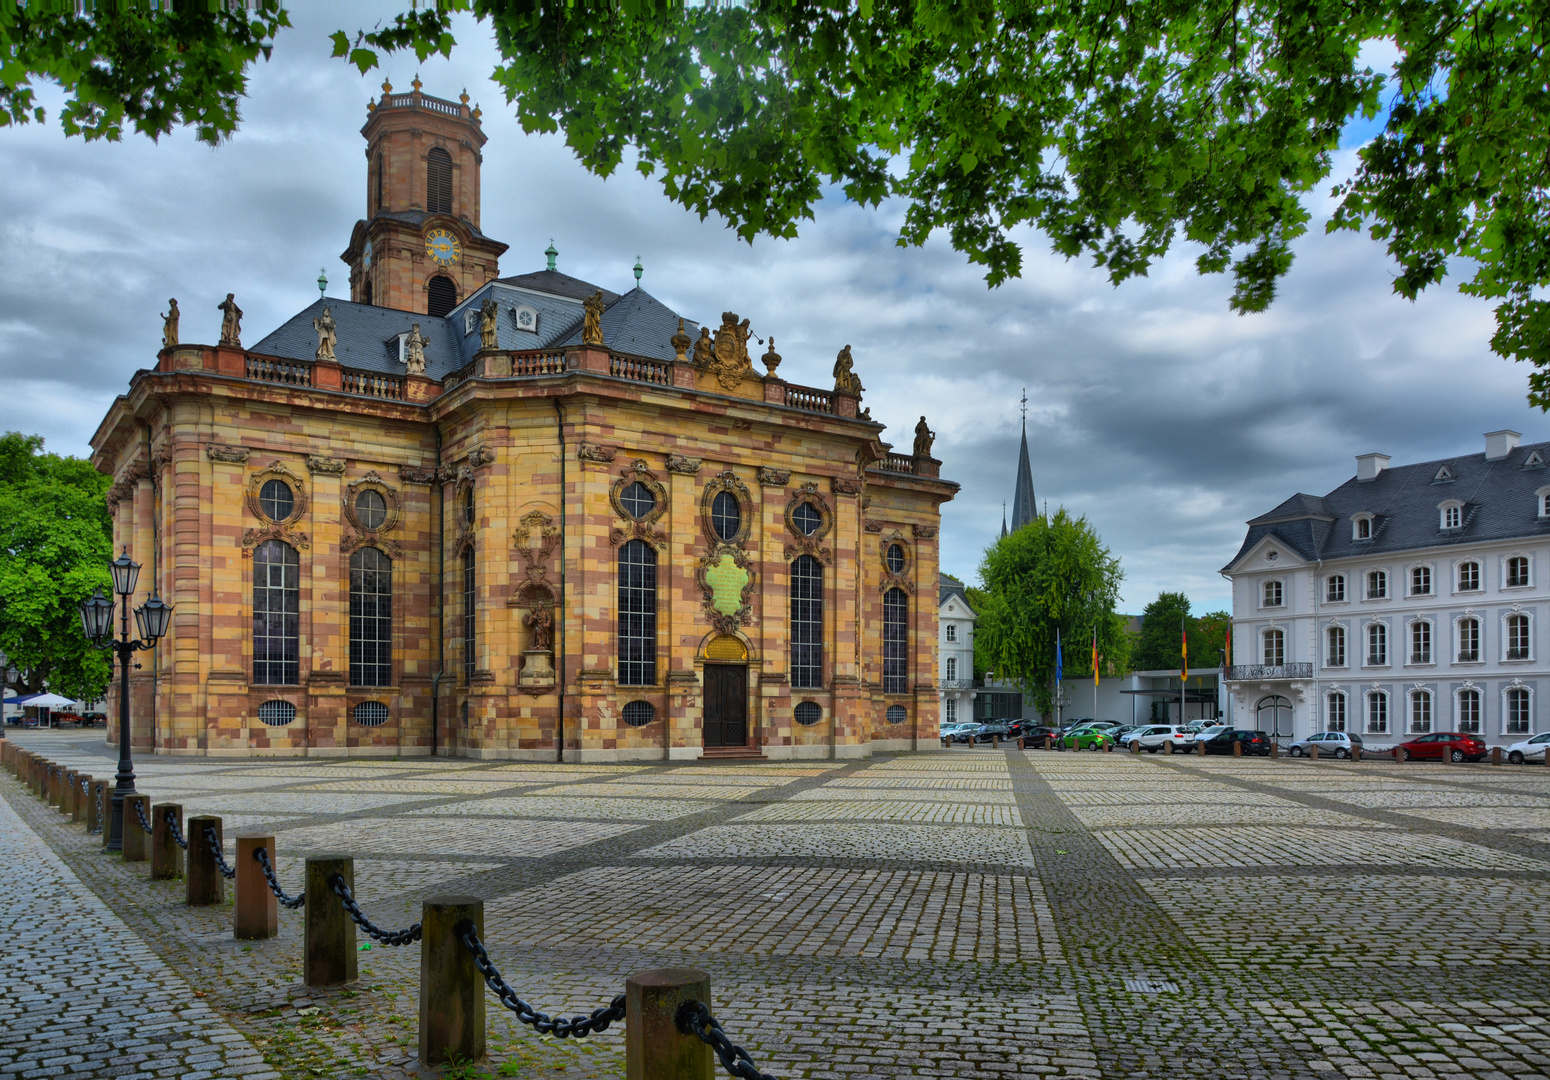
(151, 619)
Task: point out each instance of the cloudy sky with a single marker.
(1153, 410)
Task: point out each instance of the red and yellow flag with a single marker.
(1095, 656)
(1185, 648)
(1227, 647)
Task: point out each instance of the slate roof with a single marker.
(951, 586)
(1498, 497)
(367, 336)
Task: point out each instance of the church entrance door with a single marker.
(726, 705)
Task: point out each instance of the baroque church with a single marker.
(515, 517)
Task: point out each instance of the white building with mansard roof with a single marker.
(1408, 600)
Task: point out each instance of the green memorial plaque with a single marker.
(727, 581)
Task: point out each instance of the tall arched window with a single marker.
(1335, 718)
(806, 622)
(276, 614)
(637, 614)
(1469, 711)
(896, 664)
(438, 181)
(1469, 641)
(1335, 656)
(1420, 712)
(1469, 576)
(440, 296)
(1275, 648)
(1377, 643)
(1420, 642)
(1377, 713)
(1517, 718)
(952, 669)
(371, 618)
(1517, 637)
(470, 611)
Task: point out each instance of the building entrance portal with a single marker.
(726, 705)
(1274, 715)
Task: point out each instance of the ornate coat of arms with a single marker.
(729, 361)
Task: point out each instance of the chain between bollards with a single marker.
(694, 1018)
(217, 854)
(261, 856)
(140, 813)
(387, 937)
(578, 1026)
(100, 820)
(172, 827)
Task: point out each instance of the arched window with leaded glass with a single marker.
(637, 627)
(276, 614)
(806, 622)
(371, 618)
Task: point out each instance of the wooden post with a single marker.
(56, 785)
(329, 952)
(654, 1048)
(1049, 742)
(1356, 751)
(258, 912)
(451, 988)
(1313, 752)
(82, 797)
(67, 793)
(137, 842)
(1237, 748)
(1447, 755)
(1496, 755)
(1135, 746)
(1022, 743)
(99, 806)
(1168, 747)
(206, 884)
(1275, 748)
(166, 856)
(1200, 748)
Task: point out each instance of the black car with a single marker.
(989, 730)
(967, 733)
(1031, 730)
(1253, 742)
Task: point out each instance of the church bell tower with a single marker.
(419, 248)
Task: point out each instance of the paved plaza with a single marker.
(943, 914)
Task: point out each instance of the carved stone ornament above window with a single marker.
(643, 527)
(896, 578)
(413, 474)
(774, 477)
(689, 466)
(872, 526)
(467, 531)
(481, 456)
(809, 543)
(843, 486)
(326, 466)
(727, 580)
(352, 542)
(923, 532)
(251, 538)
(276, 471)
(235, 455)
(594, 452)
(390, 510)
(535, 540)
(726, 481)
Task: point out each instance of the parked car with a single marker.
(1153, 737)
(1031, 730)
(1529, 749)
(993, 729)
(1457, 745)
(1223, 740)
(1205, 731)
(1330, 743)
(947, 731)
(1086, 738)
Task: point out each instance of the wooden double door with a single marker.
(726, 705)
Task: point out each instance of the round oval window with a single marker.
(371, 714)
(808, 712)
(637, 500)
(896, 714)
(371, 509)
(895, 558)
(276, 713)
(639, 713)
(276, 500)
(806, 518)
(726, 517)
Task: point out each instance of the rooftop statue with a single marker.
(924, 437)
(169, 325)
(414, 345)
(845, 380)
(324, 325)
(487, 312)
(592, 325)
(231, 322)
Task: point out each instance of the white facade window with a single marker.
(951, 709)
(1272, 594)
(1377, 713)
(1377, 644)
(1469, 576)
(1421, 642)
(1420, 581)
(1518, 638)
(1517, 576)
(1335, 712)
(952, 667)
(1334, 589)
(1420, 712)
(1377, 584)
(1469, 711)
(1361, 527)
(952, 632)
(1334, 639)
(1469, 641)
(1518, 714)
(1275, 648)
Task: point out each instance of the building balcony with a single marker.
(1269, 672)
(956, 684)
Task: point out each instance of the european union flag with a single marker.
(1057, 658)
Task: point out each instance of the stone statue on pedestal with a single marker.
(169, 325)
(324, 325)
(592, 323)
(414, 350)
(924, 437)
(487, 313)
(845, 380)
(231, 322)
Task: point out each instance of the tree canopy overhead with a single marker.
(1117, 128)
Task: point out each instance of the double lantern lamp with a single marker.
(152, 619)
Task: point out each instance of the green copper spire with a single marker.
(551, 253)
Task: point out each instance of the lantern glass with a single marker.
(125, 573)
(97, 616)
(153, 618)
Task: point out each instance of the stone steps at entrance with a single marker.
(734, 753)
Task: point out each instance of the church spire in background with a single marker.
(1003, 519)
(1024, 506)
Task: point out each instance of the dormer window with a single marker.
(1535, 460)
(1361, 527)
(1272, 594)
(1444, 475)
(1452, 513)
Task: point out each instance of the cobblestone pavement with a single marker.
(944, 914)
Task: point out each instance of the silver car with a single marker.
(1530, 749)
(1338, 744)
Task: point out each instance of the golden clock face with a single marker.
(442, 247)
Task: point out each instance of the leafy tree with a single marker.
(1158, 643)
(1116, 129)
(1210, 631)
(1049, 575)
(55, 543)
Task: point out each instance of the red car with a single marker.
(1457, 745)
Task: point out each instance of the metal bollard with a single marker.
(166, 856)
(1496, 755)
(137, 842)
(68, 791)
(654, 1048)
(451, 988)
(206, 884)
(328, 956)
(258, 912)
(99, 805)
